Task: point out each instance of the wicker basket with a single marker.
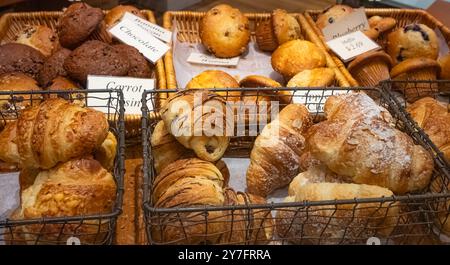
(188, 31)
(403, 17)
(12, 23)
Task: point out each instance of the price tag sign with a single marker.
(130, 33)
(351, 45)
(157, 31)
(355, 21)
(132, 91)
(199, 58)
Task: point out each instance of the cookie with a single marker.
(41, 38)
(139, 66)
(53, 67)
(77, 23)
(16, 57)
(95, 58)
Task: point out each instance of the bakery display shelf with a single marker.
(187, 24)
(413, 218)
(12, 23)
(89, 229)
(403, 17)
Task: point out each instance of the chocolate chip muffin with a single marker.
(332, 15)
(413, 41)
(16, 57)
(9, 105)
(225, 31)
(95, 58)
(53, 67)
(40, 37)
(77, 23)
(139, 66)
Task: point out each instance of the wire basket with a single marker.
(408, 219)
(86, 229)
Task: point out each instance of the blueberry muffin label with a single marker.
(356, 21)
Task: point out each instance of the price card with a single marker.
(351, 45)
(132, 91)
(130, 33)
(200, 58)
(355, 21)
(157, 31)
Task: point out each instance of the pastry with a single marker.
(416, 69)
(63, 84)
(359, 141)
(8, 167)
(225, 31)
(216, 79)
(411, 41)
(106, 152)
(280, 28)
(53, 67)
(333, 14)
(444, 62)
(209, 142)
(115, 14)
(41, 38)
(274, 159)
(295, 56)
(382, 24)
(434, 119)
(42, 138)
(139, 66)
(317, 77)
(77, 23)
(370, 68)
(95, 58)
(16, 57)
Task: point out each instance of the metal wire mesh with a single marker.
(418, 218)
(89, 229)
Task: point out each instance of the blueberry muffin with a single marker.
(115, 15)
(77, 23)
(95, 58)
(333, 14)
(295, 56)
(225, 31)
(411, 41)
(42, 38)
(16, 57)
(16, 82)
(53, 67)
(139, 66)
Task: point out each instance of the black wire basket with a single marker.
(416, 218)
(87, 229)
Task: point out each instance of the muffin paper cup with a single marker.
(414, 91)
(265, 37)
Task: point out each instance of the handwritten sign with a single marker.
(200, 58)
(355, 21)
(157, 31)
(351, 45)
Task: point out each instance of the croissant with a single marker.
(434, 119)
(274, 159)
(74, 188)
(358, 142)
(54, 131)
(197, 119)
(330, 224)
(106, 152)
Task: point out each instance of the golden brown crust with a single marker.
(8, 146)
(106, 153)
(444, 62)
(285, 26)
(333, 14)
(115, 14)
(224, 31)
(255, 81)
(265, 36)
(295, 56)
(17, 82)
(216, 79)
(317, 77)
(40, 37)
(414, 64)
(258, 81)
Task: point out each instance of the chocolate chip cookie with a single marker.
(53, 67)
(139, 66)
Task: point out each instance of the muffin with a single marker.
(115, 14)
(444, 62)
(295, 56)
(61, 83)
(53, 67)
(411, 41)
(370, 68)
(333, 14)
(95, 58)
(139, 66)
(416, 69)
(382, 24)
(317, 77)
(17, 82)
(258, 81)
(225, 31)
(16, 57)
(77, 23)
(42, 38)
(281, 28)
(216, 79)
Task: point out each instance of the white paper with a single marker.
(132, 91)
(351, 45)
(201, 58)
(355, 21)
(314, 100)
(157, 31)
(129, 33)
(9, 193)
